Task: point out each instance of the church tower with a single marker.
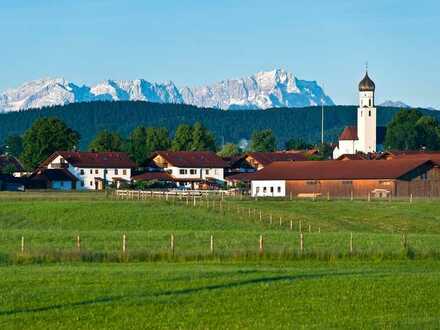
(366, 116)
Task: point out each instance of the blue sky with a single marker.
(199, 42)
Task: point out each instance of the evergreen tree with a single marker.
(182, 139)
(202, 139)
(262, 141)
(107, 141)
(157, 139)
(137, 146)
(46, 136)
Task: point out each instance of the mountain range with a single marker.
(270, 89)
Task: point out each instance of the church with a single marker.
(366, 137)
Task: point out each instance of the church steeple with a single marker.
(366, 126)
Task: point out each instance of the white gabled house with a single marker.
(68, 170)
(191, 169)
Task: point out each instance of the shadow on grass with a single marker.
(111, 299)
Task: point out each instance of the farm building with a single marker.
(357, 178)
(66, 170)
(10, 165)
(191, 169)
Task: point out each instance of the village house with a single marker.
(357, 178)
(76, 170)
(190, 169)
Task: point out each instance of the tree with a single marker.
(410, 130)
(182, 139)
(14, 145)
(143, 141)
(229, 150)
(137, 146)
(262, 141)
(325, 151)
(46, 136)
(157, 139)
(107, 141)
(8, 169)
(202, 139)
(297, 144)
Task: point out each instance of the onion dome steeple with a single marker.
(366, 84)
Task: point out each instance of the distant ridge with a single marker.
(271, 89)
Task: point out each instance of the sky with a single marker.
(199, 42)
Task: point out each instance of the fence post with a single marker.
(299, 226)
(281, 221)
(261, 217)
(172, 244)
(211, 248)
(270, 219)
(261, 250)
(22, 244)
(410, 198)
(404, 241)
(351, 195)
(194, 201)
(290, 195)
(301, 243)
(351, 243)
(328, 195)
(369, 197)
(78, 242)
(310, 228)
(124, 243)
(291, 224)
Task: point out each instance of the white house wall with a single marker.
(268, 188)
(196, 173)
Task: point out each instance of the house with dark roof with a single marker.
(357, 178)
(191, 169)
(10, 165)
(84, 170)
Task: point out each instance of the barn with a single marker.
(357, 178)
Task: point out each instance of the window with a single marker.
(206, 172)
(369, 102)
(91, 171)
(124, 172)
(271, 189)
(91, 183)
(81, 172)
(181, 171)
(105, 171)
(347, 182)
(279, 189)
(82, 183)
(116, 171)
(312, 182)
(257, 190)
(264, 189)
(369, 113)
(62, 183)
(192, 171)
(424, 176)
(96, 171)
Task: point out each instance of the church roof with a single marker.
(349, 133)
(366, 84)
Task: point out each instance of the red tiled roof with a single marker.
(198, 159)
(245, 177)
(349, 133)
(266, 158)
(338, 170)
(147, 176)
(94, 159)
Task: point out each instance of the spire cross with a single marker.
(366, 66)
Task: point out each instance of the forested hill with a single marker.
(228, 126)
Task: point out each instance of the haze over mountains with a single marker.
(271, 89)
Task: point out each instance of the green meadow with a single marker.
(363, 264)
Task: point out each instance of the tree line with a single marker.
(408, 130)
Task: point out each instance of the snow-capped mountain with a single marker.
(395, 104)
(272, 89)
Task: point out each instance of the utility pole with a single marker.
(322, 116)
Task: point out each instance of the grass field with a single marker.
(379, 285)
(387, 295)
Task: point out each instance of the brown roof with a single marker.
(266, 158)
(433, 155)
(338, 170)
(244, 177)
(147, 176)
(349, 133)
(6, 160)
(198, 159)
(94, 159)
